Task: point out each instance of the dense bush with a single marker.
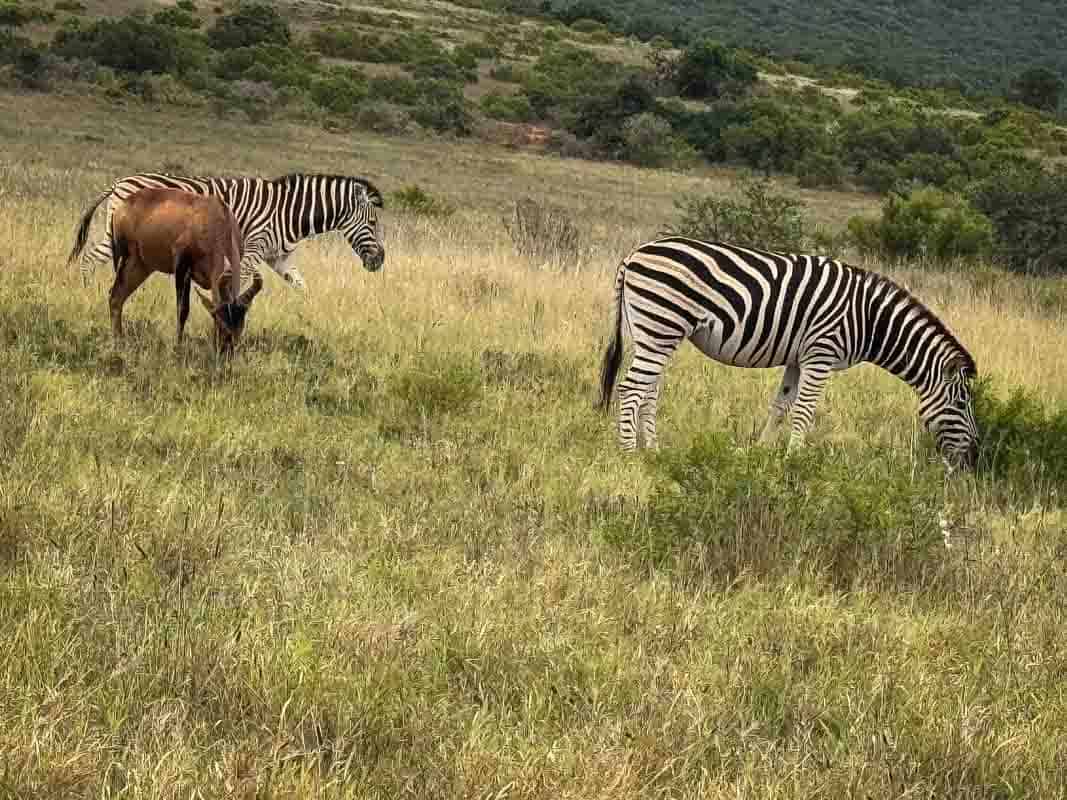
(274, 64)
(759, 218)
(442, 107)
(774, 137)
(14, 14)
(812, 511)
(1024, 443)
(340, 91)
(176, 18)
(132, 44)
(709, 70)
(649, 142)
(928, 223)
(820, 170)
(601, 115)
(249, 25)
(398, 89)
(507, 107)
(1028, 210)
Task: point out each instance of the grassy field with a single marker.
(394, 552)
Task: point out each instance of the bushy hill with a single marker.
(982, 44)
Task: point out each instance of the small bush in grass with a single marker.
(649, 141)
(383, 118)
(1024, 441)
(507, 107)
(416, 200)
(761, 218)
(927, 223)
(754, 510)
(544, 232)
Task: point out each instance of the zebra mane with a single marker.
(373, 194)
(878, 279)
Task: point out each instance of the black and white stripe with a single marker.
(274, 215)
(811, 314)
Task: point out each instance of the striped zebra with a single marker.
(274, 215)
(811, 314)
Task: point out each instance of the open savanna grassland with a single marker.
(392, 551)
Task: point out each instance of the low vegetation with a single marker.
(394, 550)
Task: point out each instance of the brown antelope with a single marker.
(193, 237)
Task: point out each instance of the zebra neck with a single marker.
(903, 336)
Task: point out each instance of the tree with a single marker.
(1038, 88)
(250, 24)
(709, 70)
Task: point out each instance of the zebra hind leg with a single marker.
(99, 252)
(639, 391)
(647, 416)
(781, 403)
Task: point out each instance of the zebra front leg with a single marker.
(781, 403)
(812, 381)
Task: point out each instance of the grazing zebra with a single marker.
(274, 216)
(810, 314)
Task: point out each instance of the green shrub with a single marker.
(251, 24)
(279, 66)
(442, 107)
(176, 18)
(13, 14)
(760, 218)
(382, 117)
(398, 89)
(928, 223)
(340, 91)
(586, 26)
(505, 72)
(507, 107)
(709, 70)
(1028, 209)
(648, 141)
(132, 44)
(820, 170)
(774, 137)
(416, 200)
(1024, 442)
(73, 6)
(818, 513)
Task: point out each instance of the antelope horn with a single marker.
(249, 294)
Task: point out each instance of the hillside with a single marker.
(983, 43)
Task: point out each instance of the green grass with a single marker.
(393, 550)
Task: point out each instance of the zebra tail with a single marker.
(609, 369)
(83, 229)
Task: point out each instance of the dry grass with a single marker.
(394, 552)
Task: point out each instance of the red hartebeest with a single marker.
(195, 238)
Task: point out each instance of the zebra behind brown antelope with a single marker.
(811, 314)
(274, 216)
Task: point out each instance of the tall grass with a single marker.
(393, 551)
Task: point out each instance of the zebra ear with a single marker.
(958, 367)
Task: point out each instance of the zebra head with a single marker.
(947, 408)
(360, 222)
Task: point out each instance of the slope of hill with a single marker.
(980, 42)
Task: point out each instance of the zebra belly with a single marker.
(708, 339)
